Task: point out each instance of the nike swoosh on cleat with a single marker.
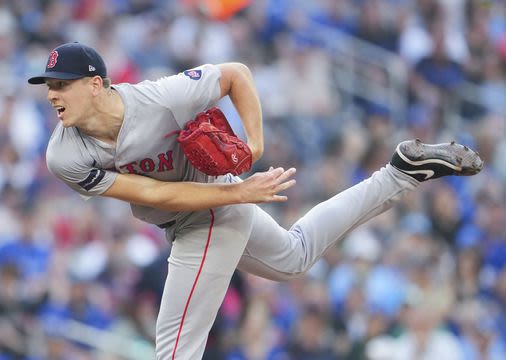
(426, 161)
(428, 173)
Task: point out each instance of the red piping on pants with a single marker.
(194, 283)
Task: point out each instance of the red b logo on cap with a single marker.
(52, 59)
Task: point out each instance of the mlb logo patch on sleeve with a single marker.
(193, 74)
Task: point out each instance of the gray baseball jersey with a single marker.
(207, 246)
(152, 110)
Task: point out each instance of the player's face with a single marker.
(70, 98)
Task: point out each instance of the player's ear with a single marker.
(97, 84)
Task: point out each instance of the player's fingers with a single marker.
(285, 185)
(279, 198)
(286, 174)
(277, 172)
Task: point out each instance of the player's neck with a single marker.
(106, 119)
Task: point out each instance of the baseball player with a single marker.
(110, 141)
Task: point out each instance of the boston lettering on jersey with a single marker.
(163, 162)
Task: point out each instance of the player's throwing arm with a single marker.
(180, 196)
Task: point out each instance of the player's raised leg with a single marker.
(289, 253)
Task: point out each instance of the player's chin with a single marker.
(66, 122)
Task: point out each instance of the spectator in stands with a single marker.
(458, 224)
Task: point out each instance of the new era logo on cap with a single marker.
(72, 61)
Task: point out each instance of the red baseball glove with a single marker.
(211, 145)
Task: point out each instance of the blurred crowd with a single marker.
(426, 280)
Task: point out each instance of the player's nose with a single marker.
(51, 95)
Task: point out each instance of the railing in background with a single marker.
(364, 70)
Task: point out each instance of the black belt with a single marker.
(167, 224)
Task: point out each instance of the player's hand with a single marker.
(265, 186)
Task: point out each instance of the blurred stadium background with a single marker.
(342, 81)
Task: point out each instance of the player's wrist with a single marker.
(257, 150)
(236, 194)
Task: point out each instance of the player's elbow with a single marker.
(234, 75)
(243, 69)
(235, 69)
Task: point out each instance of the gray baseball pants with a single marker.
(209, 245)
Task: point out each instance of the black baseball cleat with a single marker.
(423, 161)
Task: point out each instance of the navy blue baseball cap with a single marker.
(72, 61)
